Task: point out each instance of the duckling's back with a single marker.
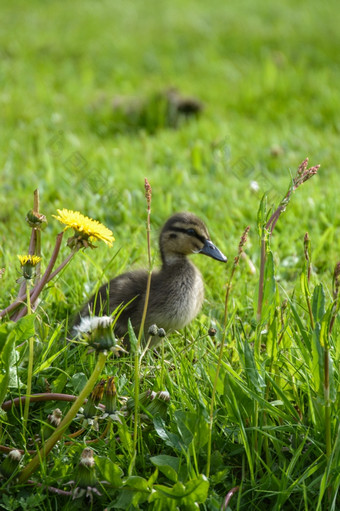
(176, 296)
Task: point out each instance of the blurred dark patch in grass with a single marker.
(160, 110)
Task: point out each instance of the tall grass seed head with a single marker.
(148, 191)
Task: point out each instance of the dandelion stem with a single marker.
(32, 246)
(62, 265)
(39, 287)
(30, 362)
(37, 233)
(307, 254)
(59, 431)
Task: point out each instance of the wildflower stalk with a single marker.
(39, 287)
(328, 431)
(228, 497)
(307, 253)
(148, 194)
(35, 244)
(37, 232)
(62, 265)
(59, 431)
(303, 174)
(328, 436)
(220, 356)
(19, 300)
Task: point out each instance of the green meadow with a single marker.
(216, 104)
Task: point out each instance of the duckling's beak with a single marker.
(211, 250)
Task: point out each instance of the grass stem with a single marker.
(137, 359)
(220, 356)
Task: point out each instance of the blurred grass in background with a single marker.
(85, 117)
(268, 77)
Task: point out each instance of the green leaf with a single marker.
(7, 358)
(153, 478)
(109, 471)
(317, 360)
(272, 338)
(193, 427)
(24, 328)
(137, 483)
(269, 288)
(171, 439)
(318, 303)
(125, 436)
(77, 383)
(181, 422)
(47, 363)
(192, 493)
(168, 465)
(254, 377)
(132, 338)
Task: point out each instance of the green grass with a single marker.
(268, 77)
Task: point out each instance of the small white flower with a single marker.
(254, 186)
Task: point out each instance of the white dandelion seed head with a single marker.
(90, 323)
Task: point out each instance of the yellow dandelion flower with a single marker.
(28, 263)
(31, 260)
(85, 228)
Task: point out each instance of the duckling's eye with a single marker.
(191, 232)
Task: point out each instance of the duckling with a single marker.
(176, 292)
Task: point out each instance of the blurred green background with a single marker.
(267, 74)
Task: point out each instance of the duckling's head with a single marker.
(184, 234)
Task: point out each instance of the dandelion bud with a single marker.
(145, 399)
(10, 463)
(54, 419)
(28, 264)
(161, 332)
(159, 404)
(153, 330)
(110, 396)
(99, 332)
(36, 220)
(86, 471)
(90, 408)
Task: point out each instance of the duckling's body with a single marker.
(176, 291)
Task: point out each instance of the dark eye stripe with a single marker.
(194, 234)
